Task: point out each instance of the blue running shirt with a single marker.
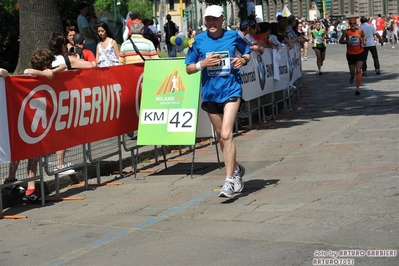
(219, 83)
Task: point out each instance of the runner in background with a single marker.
(380, 25)
(319, 44)
(355, 40)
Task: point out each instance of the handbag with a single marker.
(136, 49)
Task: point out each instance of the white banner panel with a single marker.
(5, 153)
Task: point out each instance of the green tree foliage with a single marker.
(69, 11)
(110, 9)
(9, 35)
(143, 7)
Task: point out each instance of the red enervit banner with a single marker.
(76, 107)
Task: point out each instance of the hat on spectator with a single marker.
(246, 24)
(214, 11)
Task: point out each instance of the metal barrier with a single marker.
(19, 172)
(70, 158)
(103, 149)
(267, 101)
(129, 143)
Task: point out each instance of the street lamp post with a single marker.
(119, 9)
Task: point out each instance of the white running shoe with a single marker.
(65, 172)
(238, 180)
(228, 188)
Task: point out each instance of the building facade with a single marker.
(187, 13)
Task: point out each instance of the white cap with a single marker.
(214, 11)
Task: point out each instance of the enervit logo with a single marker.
(138, 94)
(43, 110)
(40, 105)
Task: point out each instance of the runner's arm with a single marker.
(342, 40)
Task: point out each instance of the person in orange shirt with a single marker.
(262, 37)
(80, 52)
(355, 40)
(134, 17)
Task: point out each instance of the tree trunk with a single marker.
(37, 19)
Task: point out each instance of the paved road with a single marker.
(322, 178)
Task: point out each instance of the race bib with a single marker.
(319, 40)
(221, 69)
(355, 40)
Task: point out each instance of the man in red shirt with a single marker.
(84, 54)
(380, 25)
(134, 17)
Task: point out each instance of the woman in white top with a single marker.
(107, 50)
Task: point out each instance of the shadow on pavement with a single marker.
(200, 168)
(252, 186)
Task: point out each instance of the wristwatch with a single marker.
(246, 60)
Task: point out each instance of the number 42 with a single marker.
(181, 120)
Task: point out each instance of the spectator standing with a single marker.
(137, 48)
(41, 62)
(305, 29)
(251, 8)
(149, 34)
(214, 54)
(56, 44)
(79, 50)
(370, 32)
(354, 39)
(273, 35)
(332, 35)
(70, 32)
(170, 29)
(282, 34)
(133, 17)
(246, 31)
(380, 25)
(152, 27)
(293, 35)
(93, 21)
(84, 28)
(302, 32)
(3, 73)
(263, 35)
(107, 49)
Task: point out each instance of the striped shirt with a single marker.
(128, 55)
